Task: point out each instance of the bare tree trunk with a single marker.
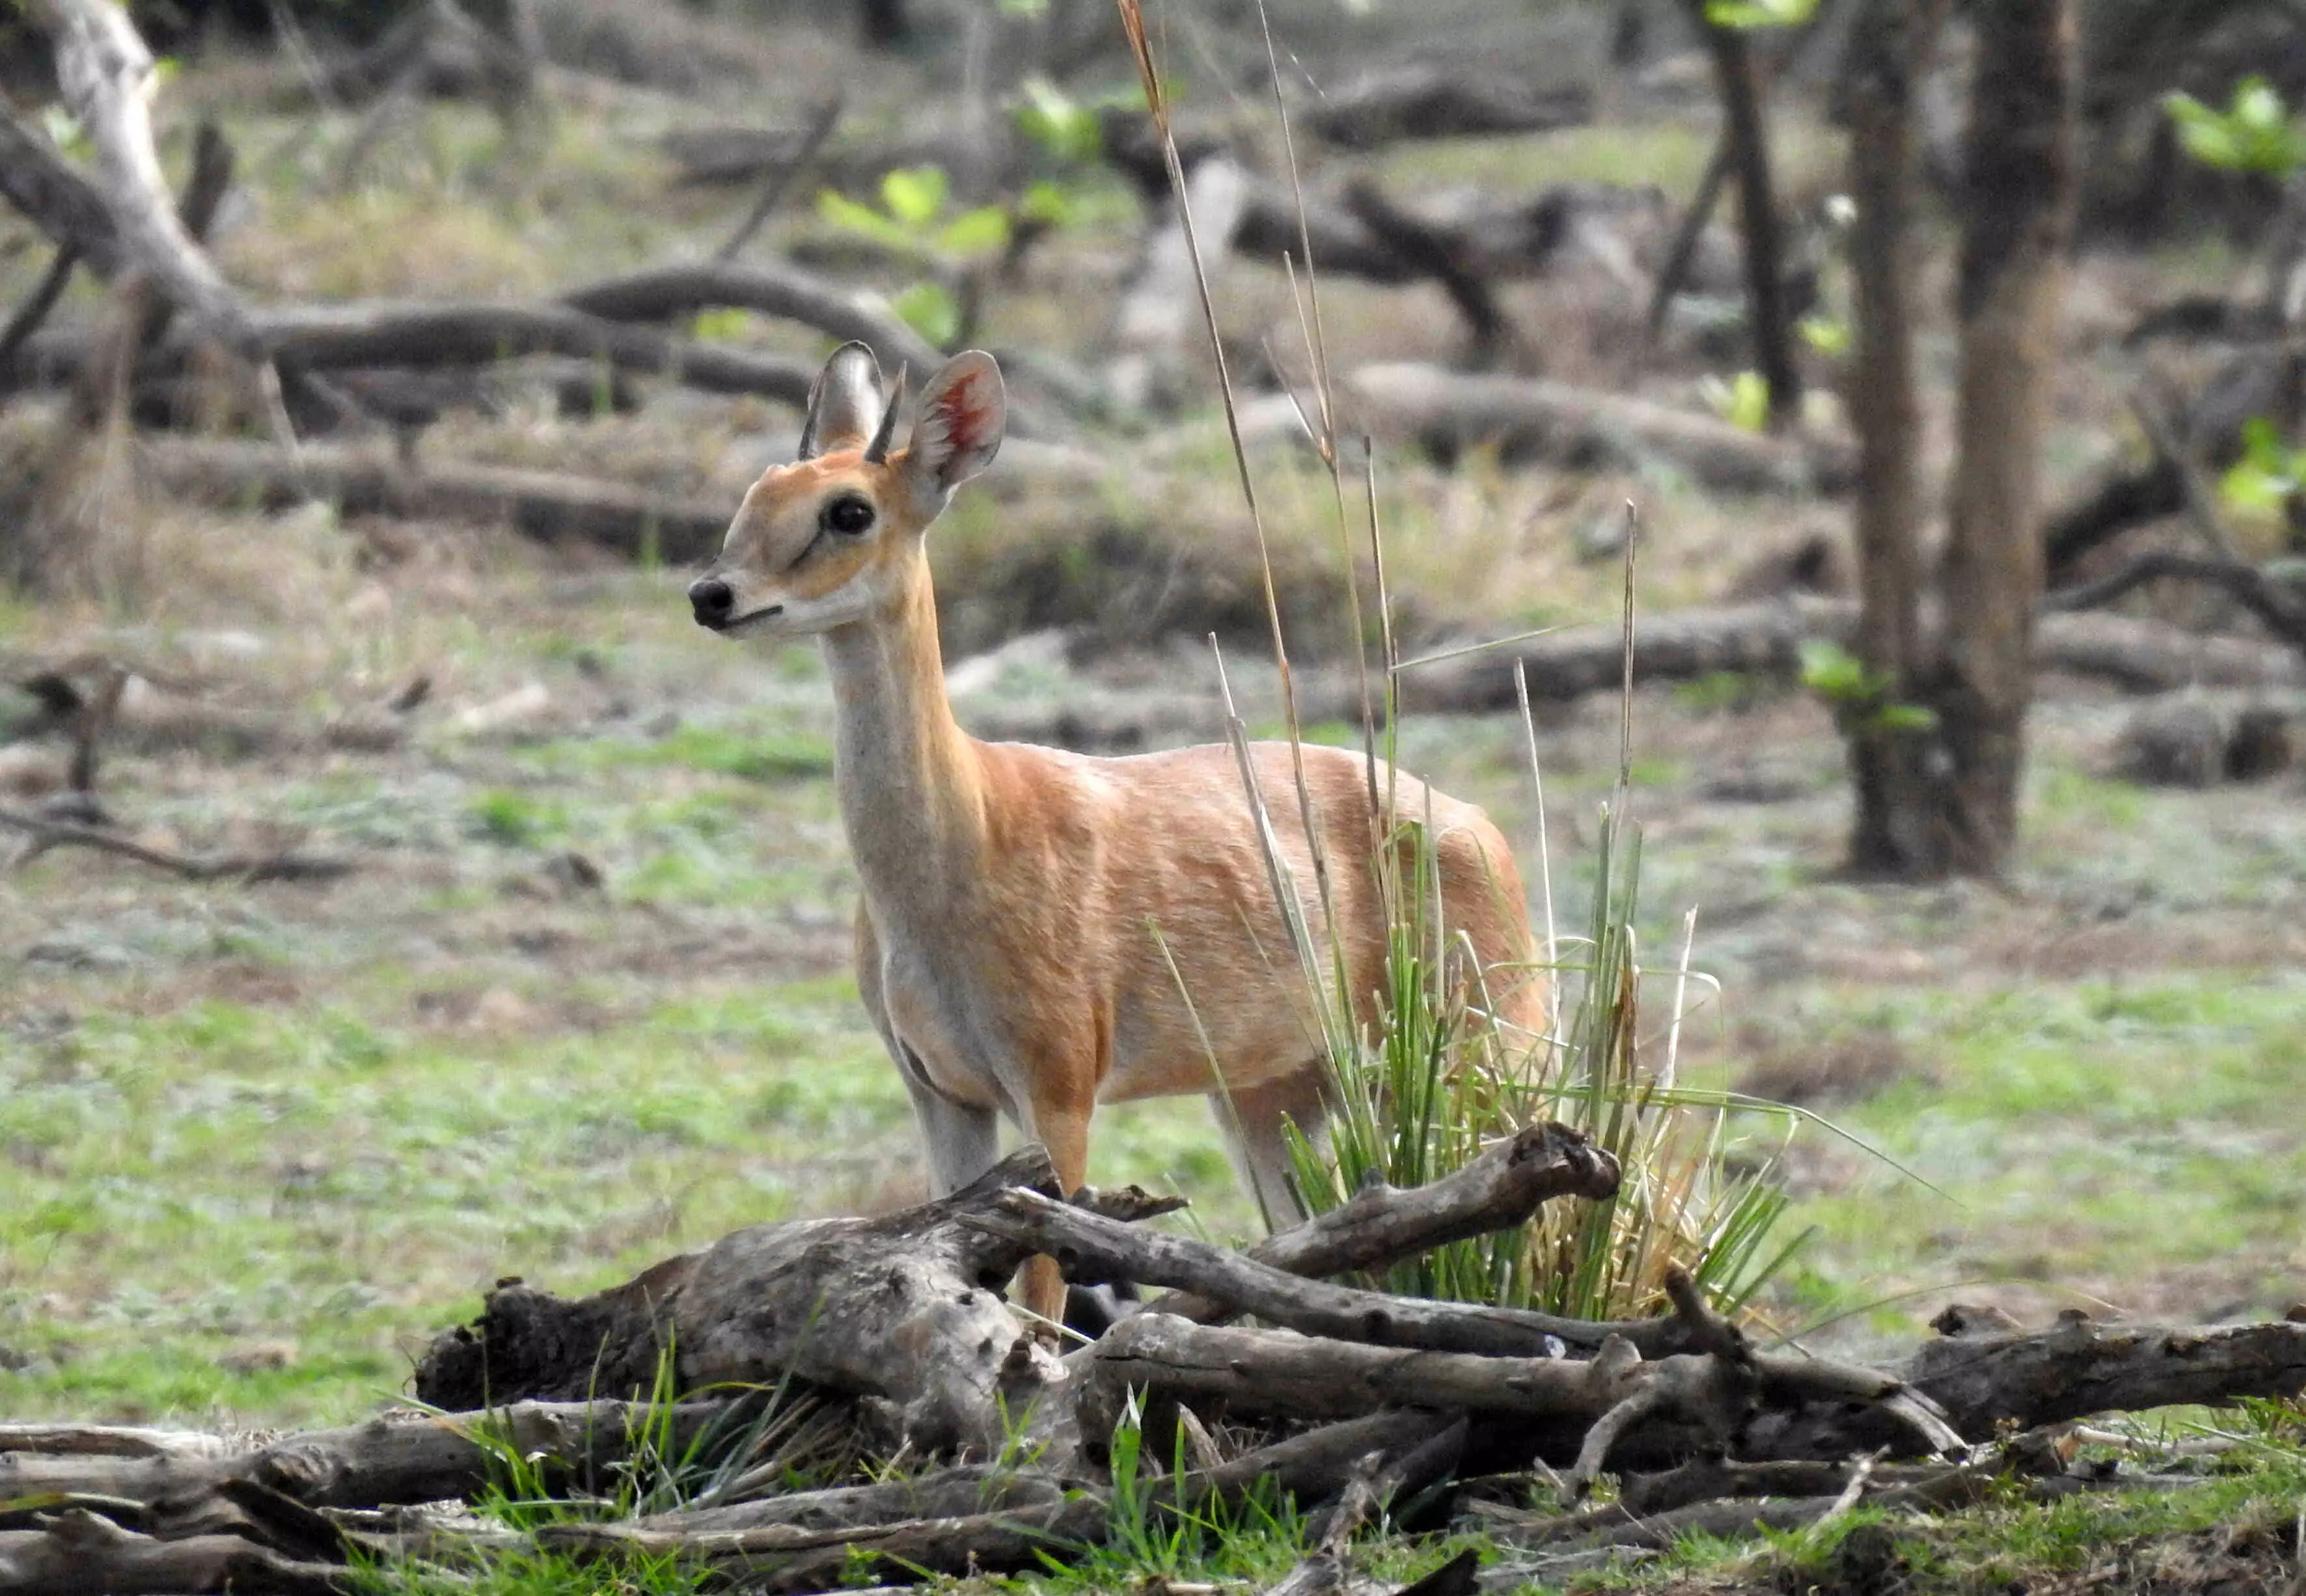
(1740, 84)
(1895, 830)
(2020, 178)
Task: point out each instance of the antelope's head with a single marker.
(831, 538)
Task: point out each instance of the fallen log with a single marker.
(82, 1554)
(771, 288)
(901, 1312)
(423, 334)
(2023, 1380)
(2082, 1367)
(1491, 239)
(1429, 101)
(2278, 605)
(403, 1458)
(1408, 400)
(1556, 1402)
(550, 507)
(1765, 640)
(2194, 738)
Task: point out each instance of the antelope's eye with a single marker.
(847, 515)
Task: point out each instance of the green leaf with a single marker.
(724, 324)
(2261, 445)
(1057, 123)
(980, 231)
(1904, 717)
(1828, 335)
(2253, 134)
(1745, 14)
(1831, 671)
(1045, 201)
(850, 216)
(1743, 401)
(929, 311)
(2249, 487)
(914, 194)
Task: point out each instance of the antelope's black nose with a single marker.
(713, 600)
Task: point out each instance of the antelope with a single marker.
(1041, 931)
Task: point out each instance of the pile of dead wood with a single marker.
(892, 1334)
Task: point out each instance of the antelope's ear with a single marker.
(844, 403)
(958, 432)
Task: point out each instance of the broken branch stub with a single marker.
(1379, 1225)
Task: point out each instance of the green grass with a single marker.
(2095, 1135)
(244, 1210)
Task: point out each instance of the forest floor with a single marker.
(588, 1001)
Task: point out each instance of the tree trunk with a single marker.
(1895, 830)
(1740, 87)
(2020, 176)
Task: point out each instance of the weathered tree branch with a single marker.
(1400, 399)
(2279, 605)
(548, 505)
(42, 835)
(902, 1311)
(1422, 101)
(107, 75)
(384, 1461)
(1380, 1225)
(1092, 1250)
(771, 288)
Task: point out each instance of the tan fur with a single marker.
(1007, 944)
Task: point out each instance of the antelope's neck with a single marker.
(910, 781)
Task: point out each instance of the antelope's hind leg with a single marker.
(1255, 1121)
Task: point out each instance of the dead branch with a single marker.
(1765, 640)
(548, 505)
(39, 303)
(1681, 254)
(1092, 1250)
(425, 334)
(1425, 101)
(43, 835)
(53, 196)
(1381, 1225)
(2279, 604)
(1278, 1373)
(403, 1458)
(105, 74)
(783, 174)
(2081, 1368)
(771, 288)
(902, 1311)
(796, 1557)
(1493, 239)
(1439, 255)
(80, 1553)
(1411, 400)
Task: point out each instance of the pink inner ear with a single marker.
(968, 415)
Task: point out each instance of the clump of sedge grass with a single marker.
(1441, 1077)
